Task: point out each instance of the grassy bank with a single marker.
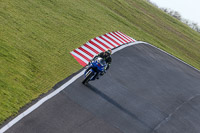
(37, 36)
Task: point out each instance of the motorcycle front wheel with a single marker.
(88, 77)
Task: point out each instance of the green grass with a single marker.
(36, 37)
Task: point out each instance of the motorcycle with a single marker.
(97, 65)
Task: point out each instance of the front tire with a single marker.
(88, 77)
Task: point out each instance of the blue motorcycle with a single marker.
(96, 66)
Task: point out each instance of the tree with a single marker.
(195, 26)
(177, 15)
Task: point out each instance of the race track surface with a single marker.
(144, 91)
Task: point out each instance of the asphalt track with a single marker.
(144, 91)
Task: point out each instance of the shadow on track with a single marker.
(113, 102)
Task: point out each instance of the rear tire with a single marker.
(87, 79)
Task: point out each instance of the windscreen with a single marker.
(102, 62)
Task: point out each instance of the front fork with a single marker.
(87, 72)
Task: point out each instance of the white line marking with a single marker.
(40, 102)
(44, 99)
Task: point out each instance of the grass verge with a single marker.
(37, 36)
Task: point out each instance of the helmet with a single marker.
(108, 51)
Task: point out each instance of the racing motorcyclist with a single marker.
(107, 57)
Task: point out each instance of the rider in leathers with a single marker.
(107, 57)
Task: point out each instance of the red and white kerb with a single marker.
(99, 44)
